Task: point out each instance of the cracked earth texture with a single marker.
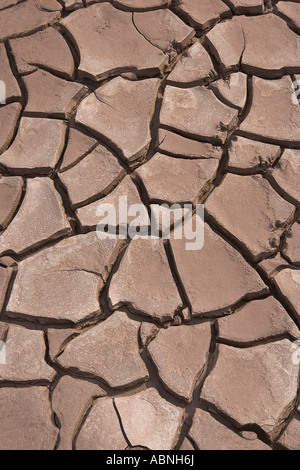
(123, 344)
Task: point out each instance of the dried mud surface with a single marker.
(121, 344)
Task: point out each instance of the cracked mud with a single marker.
(120, 344)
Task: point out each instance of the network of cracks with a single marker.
(121, 344)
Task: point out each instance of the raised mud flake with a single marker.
(226, 42)
(166, 178)
(7, 262)
(12, 89)
(121, 112)
(70, 400)
(109, 43)
(147, 333)
(250, 209)
(25, 353)
(194, 66)
(274, 120)
(291, 12)
(164, 30)
(246, 154)
(37, 146)
(203, 14)
(142, 4)
(63, 282)
(288, 282)
(290, 438)
(50, 95)
(9, 116)
(246, 6)
(176, 145)
(210, 434)
(28, 17)
(264, 45)
(45, 48)
(71, 5)
(78, 146)
(271, 266)
(198, 113)
(89, 216)
(291, 247)
(151, 291)
(216, 276)
(57, 338)
(286, 173)
(80, 180)
(149, 420)
(256, 321)
(240, 373)
(10, 194)
(108, 351)
(101, 429)
(233, 90)
(42, 225)
(26, 419)
(180, 354)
